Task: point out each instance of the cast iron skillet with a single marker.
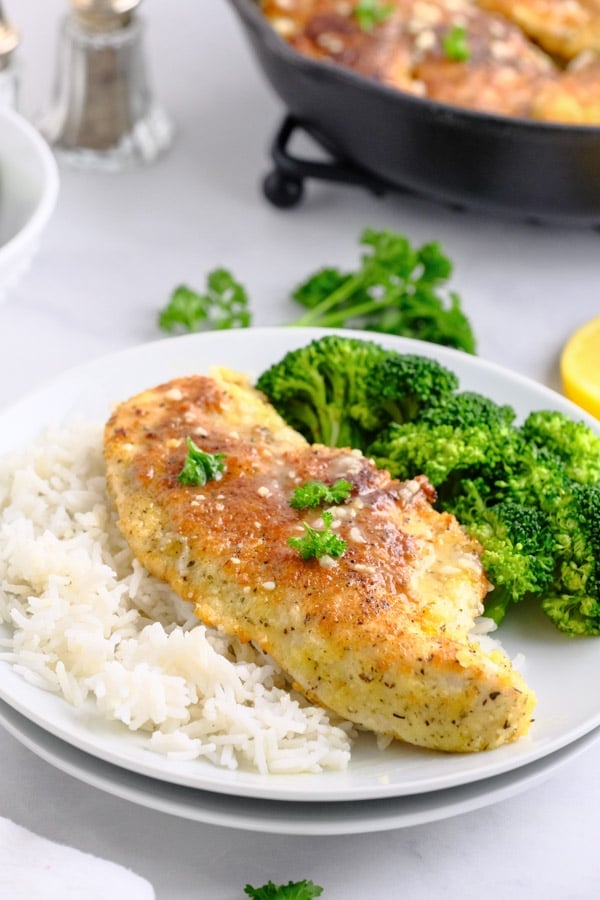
(526, 169)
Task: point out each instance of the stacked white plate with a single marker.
(394, 788)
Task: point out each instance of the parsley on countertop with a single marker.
(224, 305)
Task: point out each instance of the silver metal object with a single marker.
(103, 114)
(9, 70)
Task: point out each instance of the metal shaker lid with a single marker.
(103, 15)
(9, 39)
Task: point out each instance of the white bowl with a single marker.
(28, 192)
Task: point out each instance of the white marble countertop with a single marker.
(115, 248)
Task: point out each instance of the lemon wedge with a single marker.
(580, 367)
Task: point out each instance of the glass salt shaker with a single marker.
(103, 114)
(9, 69)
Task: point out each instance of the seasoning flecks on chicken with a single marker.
(380, 635)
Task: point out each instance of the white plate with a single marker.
(275, 817)
(563, 671)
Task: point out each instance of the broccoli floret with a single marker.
(403, 385)
(518, 547)
(554, 519)
(438, 451)
(321, 390)
(576, 445)
(452, 437)
(341, 391)
(467, 409)
(531, 475)
(438, 444)
(573, 599)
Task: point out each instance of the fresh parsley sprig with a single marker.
(317, 493)
(293, 890)
(316, 543)
(397, 289)
(200, 467)
(224, 305)
(370, 13)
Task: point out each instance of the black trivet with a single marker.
(283, 186)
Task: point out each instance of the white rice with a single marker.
(90, 624)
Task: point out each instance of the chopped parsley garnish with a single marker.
(456, 44)
(293, 890)
(200, 467)
(370, 13)
(315, 544)
(316, 493)
(224, 305)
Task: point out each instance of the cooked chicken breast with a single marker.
(329, 30)
(574, 97)
(564, 28)
(415, 48)
(380, 635)
(502, 72)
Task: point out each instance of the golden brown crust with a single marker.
(380, 635)
(501, 75)
(564, 28)
(327, 30)
(574, 98)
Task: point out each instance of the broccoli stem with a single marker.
(497, 603)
